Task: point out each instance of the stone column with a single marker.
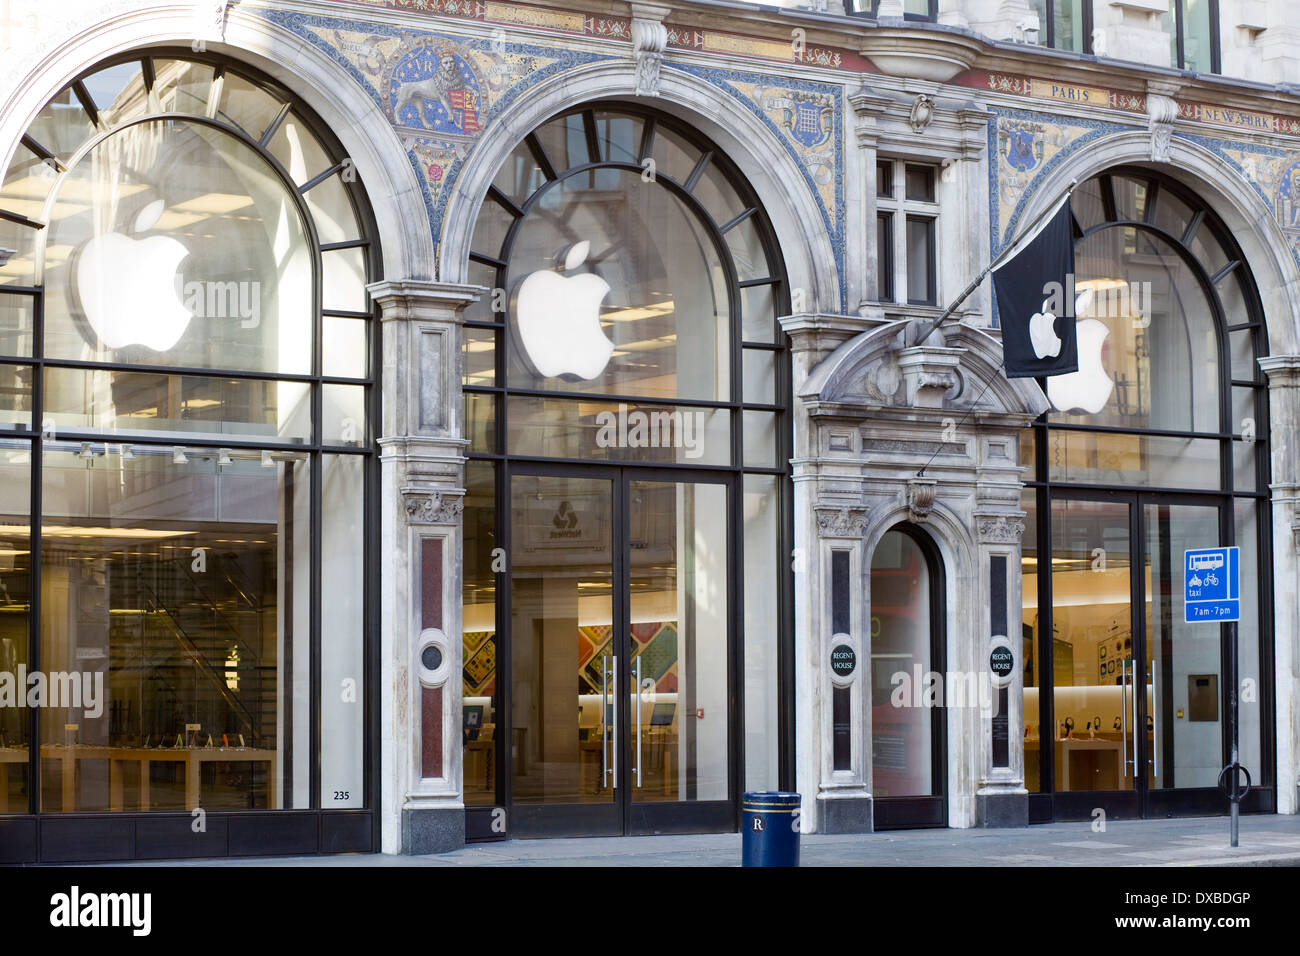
(813, 336)
(1284, 421)
(422, 470)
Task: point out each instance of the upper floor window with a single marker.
(1064, 24)
(912, 9)
(1193, 28)
(907, 216)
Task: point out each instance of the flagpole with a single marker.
(1011, 247)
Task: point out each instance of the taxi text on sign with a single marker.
(1211, 585)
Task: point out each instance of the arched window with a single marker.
(186, 369)
(625, 397)
(1156, 446)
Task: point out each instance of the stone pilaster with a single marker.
(422, 468)
(1284, 422)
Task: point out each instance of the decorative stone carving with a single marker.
(882, 380)
(930, 374)
(649, 39)
(842, 522)
(922, 112)
(433, 507)
(920, 498)
(1161, 111)
(1000, 529)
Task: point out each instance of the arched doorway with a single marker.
(1157, 446)
(908, 681)
(625, 393)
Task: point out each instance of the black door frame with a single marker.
(623, 815)
(916, 812)
(1142, 801)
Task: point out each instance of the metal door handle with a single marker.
(604, 715)
(1155, 731)
(1134, 716)
(636, 703)
(1123, 707)
(613, 741)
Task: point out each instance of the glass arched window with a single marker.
(630, 324)
(1157, 445)
(187, 396)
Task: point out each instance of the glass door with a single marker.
(1183, 727)
(563, 756)
(679, 656)
(1137, 723)
(620, 702)
(1093, 652)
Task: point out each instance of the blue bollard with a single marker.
(770, 829)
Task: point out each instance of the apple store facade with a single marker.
(412, 435)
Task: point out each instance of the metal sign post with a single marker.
(1212, 595)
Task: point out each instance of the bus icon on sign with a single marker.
(1204, 561)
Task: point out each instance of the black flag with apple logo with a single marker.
(1035, 296)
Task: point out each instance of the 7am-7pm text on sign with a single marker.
(1211, 585)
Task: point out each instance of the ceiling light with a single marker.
(86, 453)
(5, 255)
(223, 457)
(127, 453)
(178, 456)
(267, 460)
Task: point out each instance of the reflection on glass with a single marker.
(1092, 647)
(201, 264)
(1030, 655)
(902, 736)
(479, 640)
(170, 406)
(1113, 458)
(666, 310)
(1160, 347)
(564, 678)
(762, 631)
(176, 598)
(678, 730)
(342, 627)
(618, 431)
(15, 610)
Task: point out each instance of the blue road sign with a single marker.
(1211, 585)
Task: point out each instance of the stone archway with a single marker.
(928, 434)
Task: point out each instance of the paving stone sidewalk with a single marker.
(1265, 841)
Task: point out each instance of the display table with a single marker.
(192, 757)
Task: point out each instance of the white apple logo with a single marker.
(1042, 334)
(1089, 388)
(128, 288)
(559, 319)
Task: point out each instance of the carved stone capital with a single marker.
(920, 498)
(843, 522)
(432, 507)
(999, 529)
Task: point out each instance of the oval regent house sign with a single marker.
(1002, 661)
(843, 660)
